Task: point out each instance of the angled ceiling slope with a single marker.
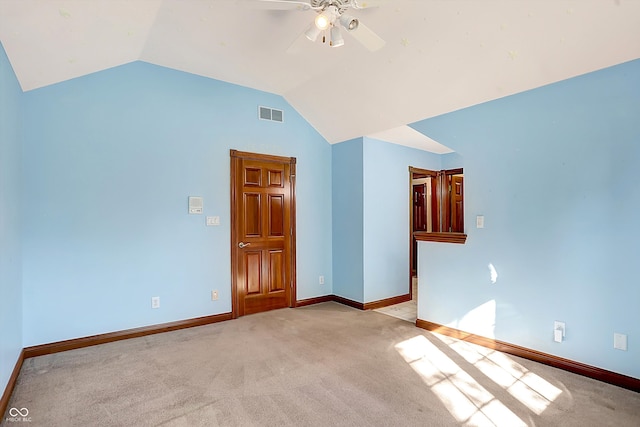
(439, 56)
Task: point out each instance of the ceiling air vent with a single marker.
(266, 113)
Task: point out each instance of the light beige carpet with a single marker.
(321, 365)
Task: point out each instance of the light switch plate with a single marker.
(213, 220)
(480, 221)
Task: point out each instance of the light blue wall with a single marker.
(348, 226)
(100, 185)
(10, 222)
(371, 217)
(451, 161)
(554, 171)
(386, 215)
(110, 160)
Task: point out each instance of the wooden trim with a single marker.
(413, 269)
(387, 302)
(346, 301)
(355, 304)
(4, 400)
(56, 347)
(292, 244)
(315, 300)
(423, 236)
(234, 233)
(457, 171)
(262, 157)
(431, 173)
(589, 371)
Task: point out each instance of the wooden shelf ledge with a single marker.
(423, 236)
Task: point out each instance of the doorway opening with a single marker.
(436, 207)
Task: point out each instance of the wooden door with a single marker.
(262, 232)
(419, 208)
(457, 204)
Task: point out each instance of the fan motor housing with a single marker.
(341, 5)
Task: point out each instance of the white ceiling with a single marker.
(440, 55)
(408, 136)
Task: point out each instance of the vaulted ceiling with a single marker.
(439, 56)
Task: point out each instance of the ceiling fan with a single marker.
(331, 15)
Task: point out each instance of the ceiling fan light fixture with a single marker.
(326, 18)
(322, 22)
(349, 22)
(335, 37)
(312, 32)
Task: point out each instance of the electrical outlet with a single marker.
(559, 331)
(321, 280)
(214, 295)
(620, 341)
(561, 326)
(155, 302)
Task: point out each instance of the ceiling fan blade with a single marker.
(299, 44)
(367, 37)
(365, 4)
(277, 4)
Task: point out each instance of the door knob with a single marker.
(243, 244)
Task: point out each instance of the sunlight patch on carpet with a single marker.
(532, 390)
(467, 401)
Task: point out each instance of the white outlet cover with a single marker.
(620, 341)
(560, 325)
(155, 302)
